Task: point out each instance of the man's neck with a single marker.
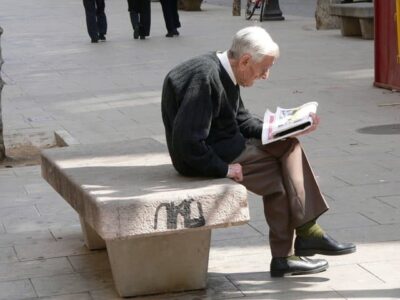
(234, 64)
(226, 63)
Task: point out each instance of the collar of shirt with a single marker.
(223, 58)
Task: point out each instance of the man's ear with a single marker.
(244, 61)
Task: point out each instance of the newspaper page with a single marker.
(286, 122)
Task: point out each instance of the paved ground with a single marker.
(57, 80)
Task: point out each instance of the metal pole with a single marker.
(272, 11)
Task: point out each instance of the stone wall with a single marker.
(322, 17)
(2, 148)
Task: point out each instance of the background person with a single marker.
(171, 17)
(140, 14)
(96, 19)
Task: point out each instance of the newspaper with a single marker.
(286, 122)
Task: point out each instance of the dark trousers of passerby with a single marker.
(140, 14)
(171, 16)
(96, 19)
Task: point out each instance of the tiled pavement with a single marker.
(57, 80)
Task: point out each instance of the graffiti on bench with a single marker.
(183, 209)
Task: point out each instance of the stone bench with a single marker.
(155, 224)
(357, 18)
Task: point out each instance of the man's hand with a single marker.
(235, 172)
(313, 127)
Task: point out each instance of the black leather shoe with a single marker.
(324, 245)
(142, 37)
(169, 34)
(102, 37)
(281, 266)
(175, 32)
(94, 40)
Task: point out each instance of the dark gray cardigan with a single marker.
(205, 121)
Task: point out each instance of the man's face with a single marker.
(249, 70)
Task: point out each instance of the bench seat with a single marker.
(357, 18)
(155, 224)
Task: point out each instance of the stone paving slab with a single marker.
(51, 249)
(249, 245)
(79, 296)
(7, 254)
(26, 237)
(9, 201)
(220, 287)
(71, 283)
(10, 214)
(393, 201)
(72, 231)
(256, 285)
(332, 295)
(37, 268)
(346, 220)
(90, 263)
(234, 233)
(369, 252)
(16, 290)
(374, 292)
(240, 264)
(257, 209)
(370, 234)
(36, 222)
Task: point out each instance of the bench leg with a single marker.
(367, 28)
(160, 264)
(92, 240)
(350, 26)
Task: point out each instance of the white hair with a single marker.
(255, 41)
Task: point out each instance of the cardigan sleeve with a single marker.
(250, 126)
(192, 127)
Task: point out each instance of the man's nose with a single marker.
(265, 75)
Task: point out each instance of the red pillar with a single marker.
(387, 52)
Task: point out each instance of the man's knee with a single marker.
(283, 148)
(293, 141)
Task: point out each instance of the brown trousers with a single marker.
(281, 174)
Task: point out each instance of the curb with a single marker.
(64, 138)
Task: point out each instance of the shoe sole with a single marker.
(312, 252)
(313, 271)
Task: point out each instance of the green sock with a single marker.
(293, 258)
(310, 229)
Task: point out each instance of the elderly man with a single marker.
(210, 133)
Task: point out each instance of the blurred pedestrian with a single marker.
(96, 19)
(140, 13)
(171, 17)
